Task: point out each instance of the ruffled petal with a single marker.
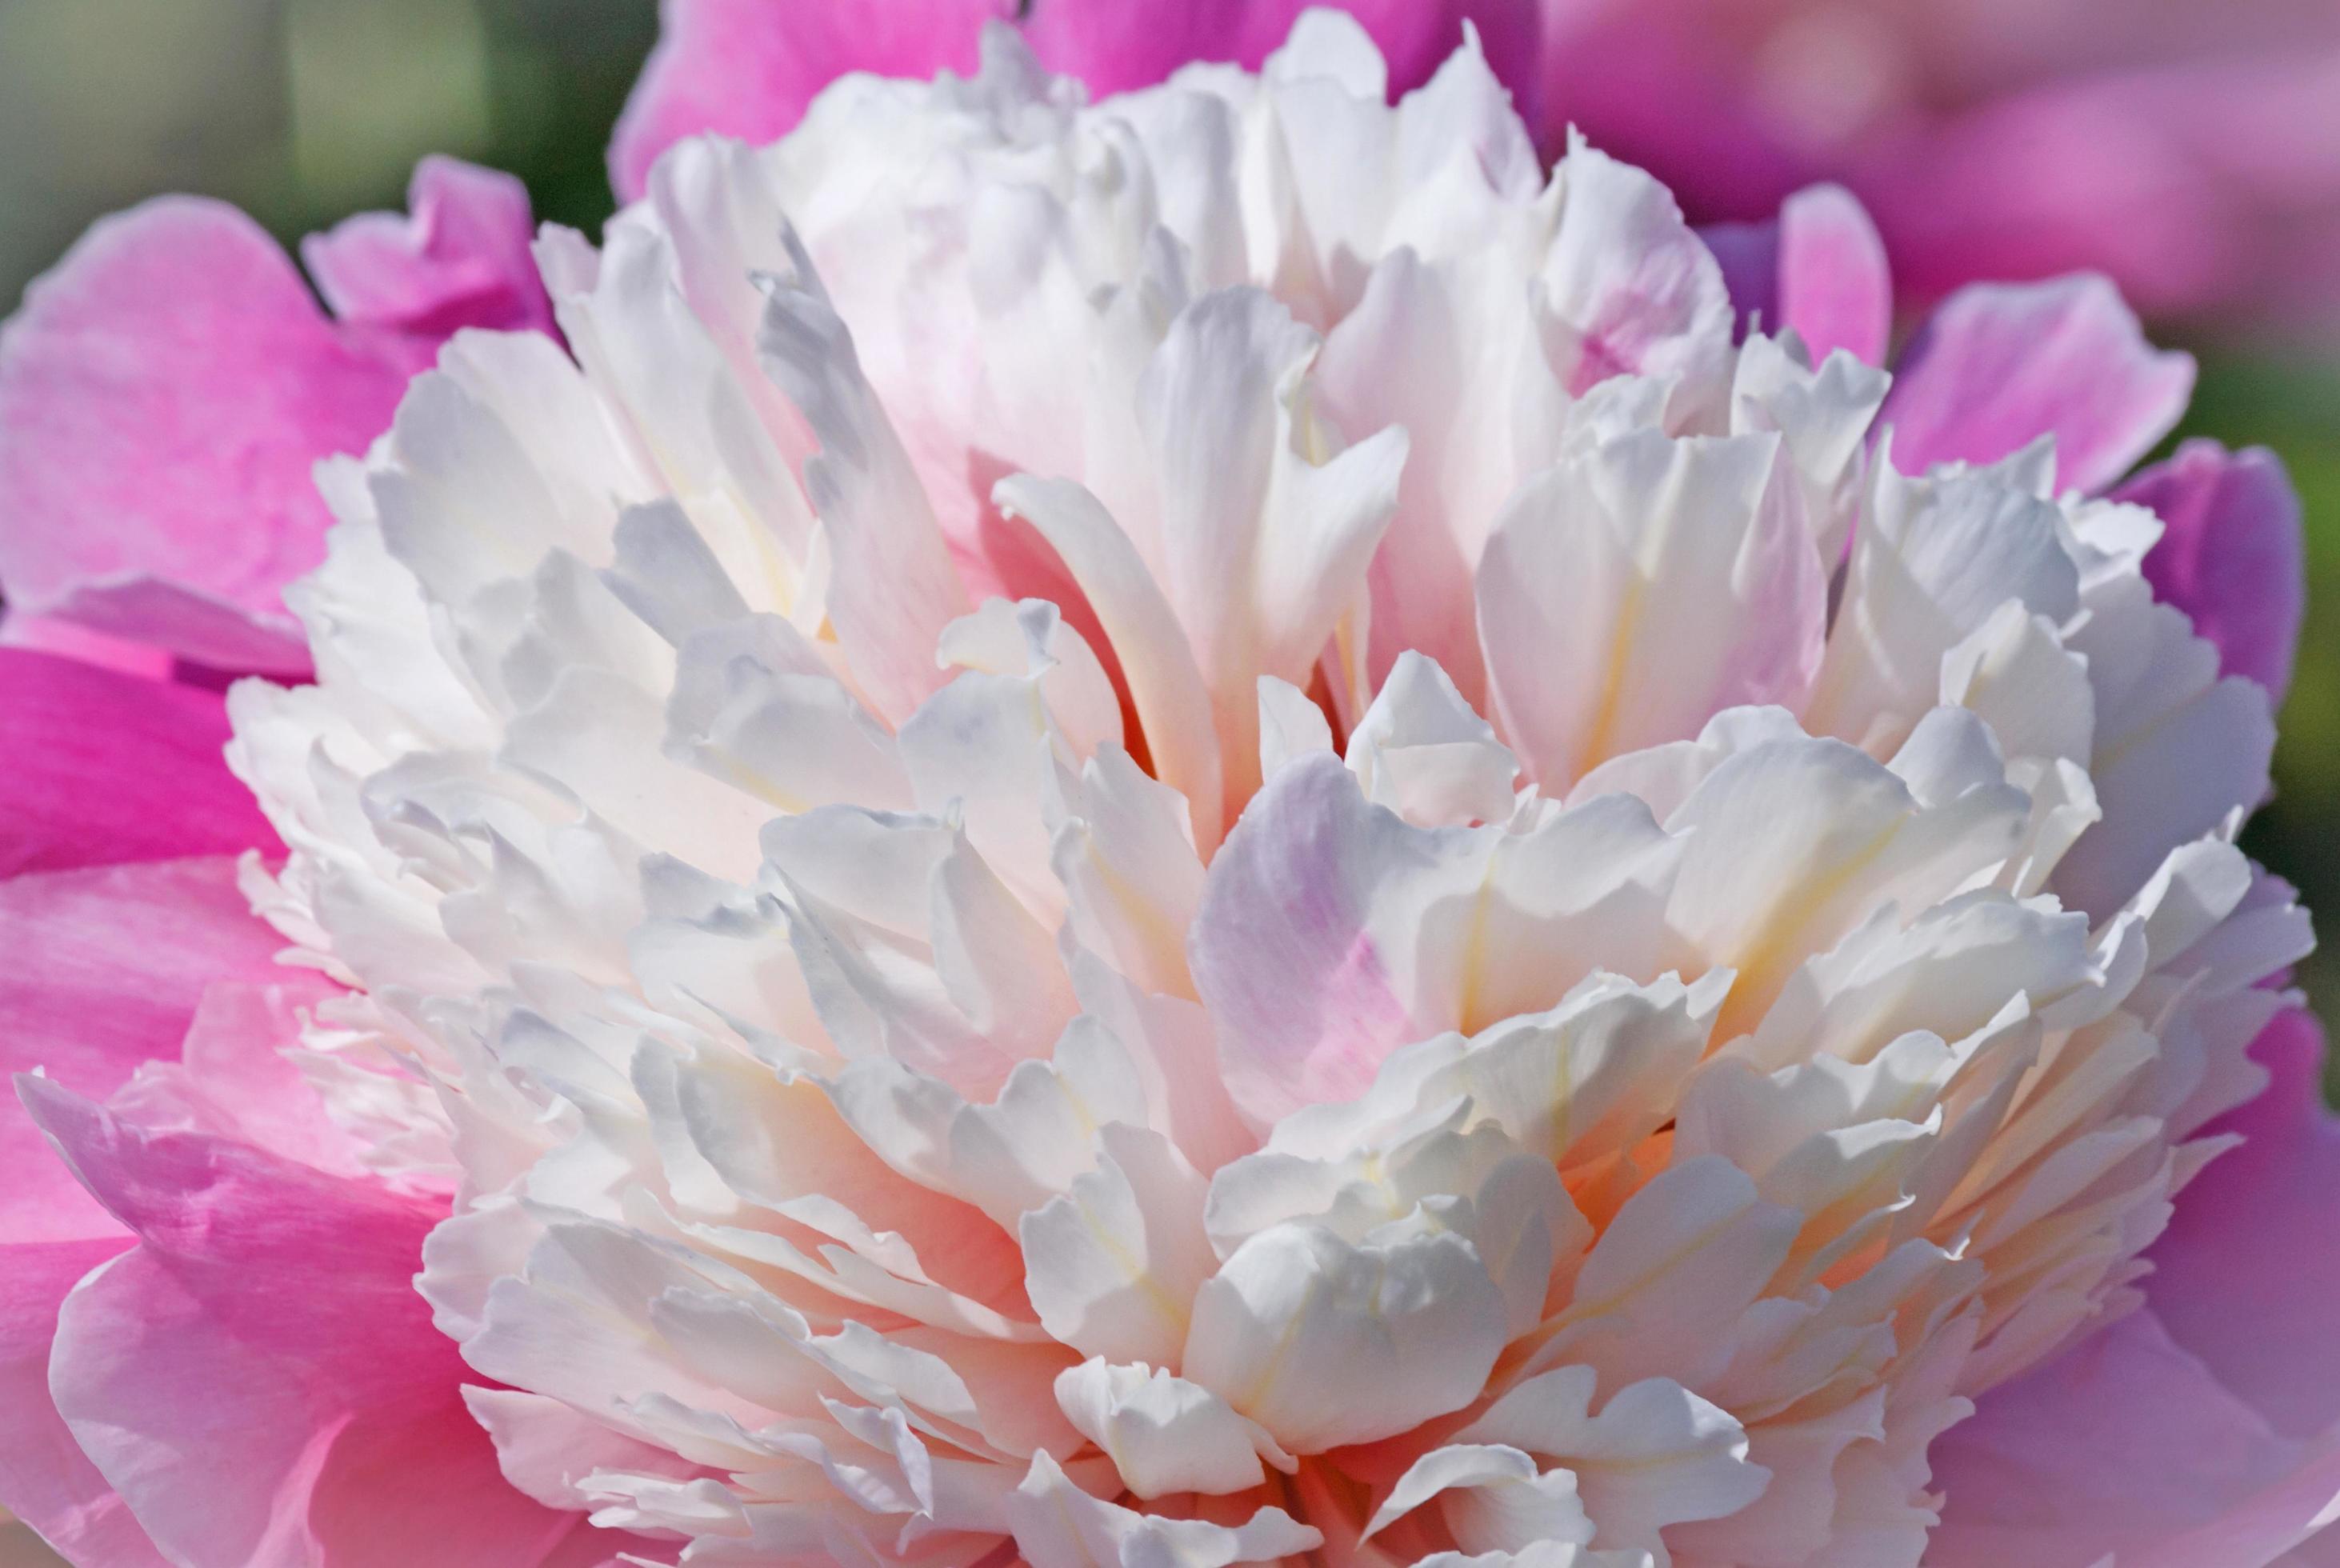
(458, 257)
(745, 68)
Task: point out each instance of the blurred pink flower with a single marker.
(2189, 152)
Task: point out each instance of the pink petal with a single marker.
(47, 634)
(163, 396)
(105, 969)
(2247, 1272)
(2185, 152)
(458, 258)
(1999, 365)
(232, 1078)
(2234, 557)
(2126, 1445)
(1285, 954)
(269, 1323)
(46, 1480)
(168, 388)
(1818, 267)
(105, 767)
(1835, 288)
(747, 68)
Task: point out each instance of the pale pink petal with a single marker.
(747, 68)
(1818, 267)
(2247, 1272)
(268, 1323)
(105, 767)
(105, 966)
(1302, 947)
(2126, 1445)
(459, 257)
(232, 1078)
(1835, 288)
(2234, 558)
(105, 969)
(44, 1477)
(1999, 365)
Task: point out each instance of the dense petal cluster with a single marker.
(1217, 828)
(1202, 829)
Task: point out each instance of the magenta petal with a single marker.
(105, 767)
(747, 68)
(1999, 365)
(2234, 557)
(2126, 1445)
(269, 1323)
(459, 257)
(164, 395)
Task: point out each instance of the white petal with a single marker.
(1281, 1329)
(1058, 1526)
(1164, 1433)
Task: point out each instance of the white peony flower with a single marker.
(1175, 832)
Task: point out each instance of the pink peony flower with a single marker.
(1208, 828)
(2182, 149)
